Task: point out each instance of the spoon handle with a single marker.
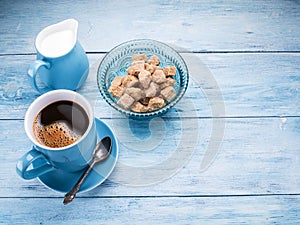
(72, 193)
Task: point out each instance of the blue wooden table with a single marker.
(230, 147)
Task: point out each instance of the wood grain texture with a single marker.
(195, 25)
(243, 58)
(192, 210)
(257, 156)
(268, 85)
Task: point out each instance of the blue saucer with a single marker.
(61, 181)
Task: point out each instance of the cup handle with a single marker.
(32, 74)
(25, 168)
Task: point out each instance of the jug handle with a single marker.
(32, 74)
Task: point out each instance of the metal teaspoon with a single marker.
(101, 152)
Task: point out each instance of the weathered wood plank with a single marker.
(218, 25)
(253, 178)
(191, 210)
(249, 84)
(256, 156)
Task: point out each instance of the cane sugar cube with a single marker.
(154, 60)
(149, 67)
(139, 107)
(136, 93)
(159, 76)
(170, 70)
(130, 81)
(145, 101)
(136, 67)
(144, 78)
(169, 82)
(116, 91)
(156, 103)
(139, 57)
(152, 90)
(125, 101)
(117, 81)
(168, 93)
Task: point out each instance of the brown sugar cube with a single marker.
(136, 93)
(125, 101)
(154, 60)
(158, 76)
(170, 70)
(156, 103)
(152, 90)
(136, 67)
(116, 91)
(144, 78)
(145, 101)
(138, 107)
(168, 93)
(138, 62)
(139, 57)
(158, 68)
(130, 81)
(117, 81)
(169, 82)
(150, 68)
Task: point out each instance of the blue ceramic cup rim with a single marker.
(53, 96)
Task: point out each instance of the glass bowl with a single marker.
(119, 59)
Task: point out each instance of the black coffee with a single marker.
(60, 124)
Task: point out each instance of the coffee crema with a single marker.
(60, 124)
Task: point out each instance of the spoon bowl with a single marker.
(102, 150)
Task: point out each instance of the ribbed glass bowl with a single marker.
(119, 59)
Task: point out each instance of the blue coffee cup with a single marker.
(61, 62)
(70, 158)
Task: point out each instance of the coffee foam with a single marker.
(55, 135)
